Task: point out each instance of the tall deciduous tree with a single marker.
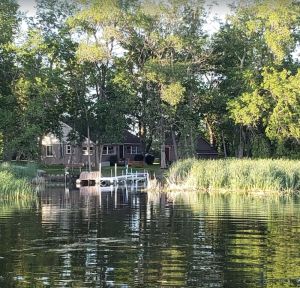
(9, 23)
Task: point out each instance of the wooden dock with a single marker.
(94, 178)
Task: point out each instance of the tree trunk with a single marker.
(6, 151)
(142, 135)
(174, 144)
(97, 156)
(149, 144)
(212, 138)
(163, 163)
(193, 150)
(40, 149)
(224, 145)
(71, 156)
(88, 148)
(100, 152)
(240, 152)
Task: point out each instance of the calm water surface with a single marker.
(87, 239)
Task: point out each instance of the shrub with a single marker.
(113, 159)
(149, 159)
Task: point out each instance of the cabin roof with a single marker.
(50, 139)
(202, 146)
(129, 138)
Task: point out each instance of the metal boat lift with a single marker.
(95, 178)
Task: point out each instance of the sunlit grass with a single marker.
(235, 175)
(14, 182)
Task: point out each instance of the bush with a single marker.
(149, 159)
(138, 157)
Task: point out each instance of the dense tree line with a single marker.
(103, 66)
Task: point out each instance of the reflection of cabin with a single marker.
(57, 150)
(203, 149)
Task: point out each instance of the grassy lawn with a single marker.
(106, 171)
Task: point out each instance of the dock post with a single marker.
(116, 196)
(100, 168)
(136, 180)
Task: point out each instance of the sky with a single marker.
(27, 6)
(220, 6)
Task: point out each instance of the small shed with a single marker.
(203, 149)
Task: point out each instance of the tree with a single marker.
(9, 23)
(248, 44)
(163, 59)
(97, 26)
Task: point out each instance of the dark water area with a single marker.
(131, 239)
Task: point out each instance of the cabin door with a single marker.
(121, 151)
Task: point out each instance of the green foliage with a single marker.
(27, 171)
(276, 104)
(91, 53)
(261, 147)
(173, 93)
(1, 146)
(276, 19)
(111, 65)
(249, 108)
(284, 120)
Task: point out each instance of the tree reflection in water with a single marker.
(88, 238)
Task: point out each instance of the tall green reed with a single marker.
(263, 175)
(14, 182)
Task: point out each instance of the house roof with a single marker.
(129, 138)
(202, 146)
(51, 139)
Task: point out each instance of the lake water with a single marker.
(131, 239)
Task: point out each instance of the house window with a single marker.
(69, 150)
(49, 151)
(132, 149)
(85, 150)
(108, 150)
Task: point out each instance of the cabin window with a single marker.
(132, 149)
(85, 150)
(49, 151)
(108, 150)
(69, 150)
